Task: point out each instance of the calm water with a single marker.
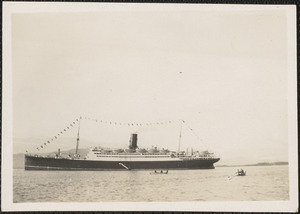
(261, 183)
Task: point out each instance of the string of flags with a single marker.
(59, 134)
(191, 129)
(129, 123)
(113, 123)
(72, 124)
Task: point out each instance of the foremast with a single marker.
(77, 143)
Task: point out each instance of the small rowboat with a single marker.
(240, 173)
(159, 172)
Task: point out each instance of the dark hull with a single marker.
(41, 163)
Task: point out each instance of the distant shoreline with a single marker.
(257, 164)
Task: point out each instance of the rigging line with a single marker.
(56, 136)
(129, 123)
(199, 139)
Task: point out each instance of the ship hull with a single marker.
(45, 163)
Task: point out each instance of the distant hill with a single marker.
(270, 164)
(19, 159)
(257, 164)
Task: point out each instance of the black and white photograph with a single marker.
(149, 107)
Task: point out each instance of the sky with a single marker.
(223, 72)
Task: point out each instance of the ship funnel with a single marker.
(133, 142)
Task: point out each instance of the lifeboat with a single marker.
(153, 150)
(118, 150)
(129, 150)
(142, 151)
(164, 151)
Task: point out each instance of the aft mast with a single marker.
(179, 137)
(78, 138)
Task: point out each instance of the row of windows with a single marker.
(136, 154)
(115, 156)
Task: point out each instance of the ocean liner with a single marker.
(133, 158)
